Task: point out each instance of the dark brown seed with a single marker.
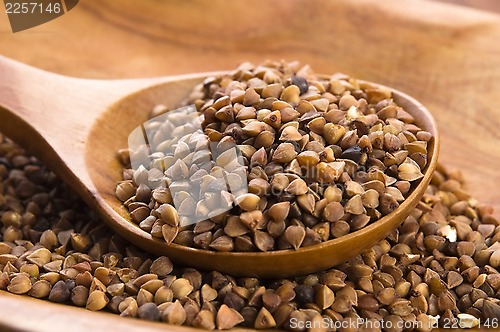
(149, 311)
(353, 153)
(223, 243)
(263, 241)
(79, 296)
(234, 301)
(301, 83)
(60, 292)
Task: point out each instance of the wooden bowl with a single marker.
(134, 109)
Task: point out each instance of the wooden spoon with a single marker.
(76, 126)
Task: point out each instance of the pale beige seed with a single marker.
(279, 182)
(329, 172)
(324, 297)
(228, 318)
(297, 187)
(467, 321)
(54, 266)
(295, 236)
(291, 94)
(116, 289)
(347, 101)
(248, 202)
(97, 300)
(409, 172)
(181, 287)
(284, 153)
(370, 199)
(290, 133)
(208, 293)
(355, 205)
(308, 158)
(174, 314)
(40, 257)
(143, 297)
(125, 190)
(251, 219)
(40, 289)
(163, 294)
(169, 233)
(279, 211)
(495, 259)
(204, 319)
(264, 319)
(169, 214)
(128, 307)
(353, 188)
(333, 133)
(321, 104)
(273, 119)
(20, 284)
(333, 194)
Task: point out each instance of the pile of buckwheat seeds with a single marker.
(439, 265)
(323, 157)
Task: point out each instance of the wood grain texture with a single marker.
(488, 5)
(45, 316)
(447, 57)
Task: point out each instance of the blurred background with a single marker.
(444, 53)
(490, 5)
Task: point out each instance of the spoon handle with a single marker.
(50, 115)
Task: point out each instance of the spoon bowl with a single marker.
(76, 126)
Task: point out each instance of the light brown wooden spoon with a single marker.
(76, 126)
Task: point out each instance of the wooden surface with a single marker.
(447, 57)
(488, 5)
